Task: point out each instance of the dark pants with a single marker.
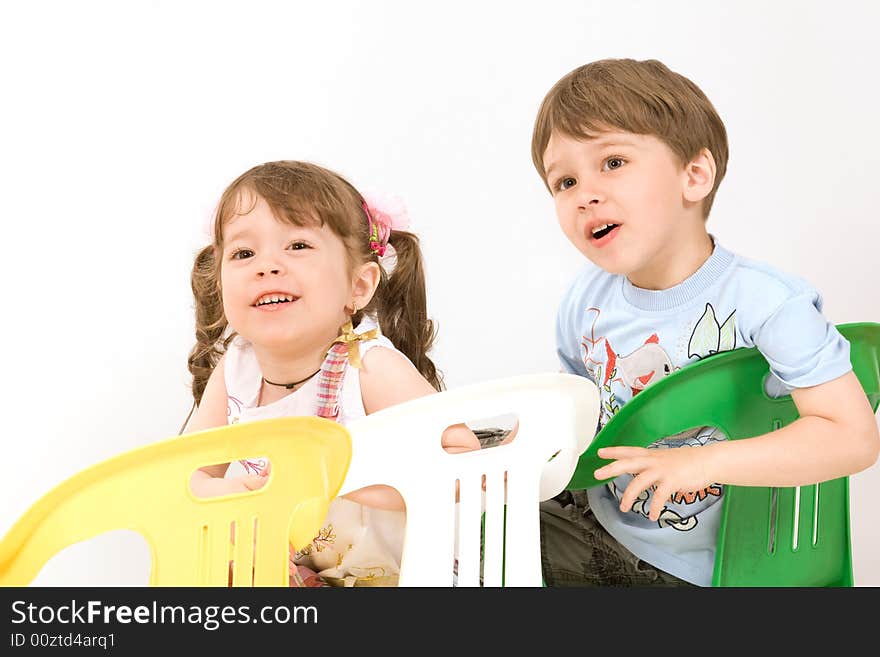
(577, 551)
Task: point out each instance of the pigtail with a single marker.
(210, 322)
(210, 325)
(402, 308)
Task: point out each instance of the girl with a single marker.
(311, 301)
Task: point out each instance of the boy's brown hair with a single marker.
(641, 97)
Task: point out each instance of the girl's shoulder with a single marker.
(367, 325)
(387, 377)
(381, 361)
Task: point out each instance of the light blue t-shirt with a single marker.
(624, 338)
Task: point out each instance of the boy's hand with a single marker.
(681, 469)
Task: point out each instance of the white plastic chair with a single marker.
(400, 447)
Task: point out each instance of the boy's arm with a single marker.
(836, 435)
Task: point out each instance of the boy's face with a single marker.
(620, 199)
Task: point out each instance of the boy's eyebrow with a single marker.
(601, 142)
(614, 141)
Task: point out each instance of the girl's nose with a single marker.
(270, 265)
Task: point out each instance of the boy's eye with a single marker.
(614, 163)
(241, 254)
(297, 246)
(565, 183)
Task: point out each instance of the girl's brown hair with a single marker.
(641, 97)
(302, 194)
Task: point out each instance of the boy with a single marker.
(633, 154)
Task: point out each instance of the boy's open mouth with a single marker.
(599, 232)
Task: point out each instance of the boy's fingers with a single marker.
(660, 497)
(631, 466)
(621, 452)
(640, 483)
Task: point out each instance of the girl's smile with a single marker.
(274, 301)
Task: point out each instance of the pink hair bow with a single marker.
(385, 212)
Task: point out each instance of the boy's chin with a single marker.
(608, 265)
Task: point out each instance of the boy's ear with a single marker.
(366, 280)
(699, 176)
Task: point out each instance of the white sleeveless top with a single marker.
(357, 544)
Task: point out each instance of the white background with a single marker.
(121, 123)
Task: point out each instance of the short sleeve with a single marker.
(568, 348)
(801, 346)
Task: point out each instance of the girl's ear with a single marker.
(699, 176)
(364, 284)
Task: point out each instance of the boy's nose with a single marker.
(589, 194)
(589, 200)
(265, 270)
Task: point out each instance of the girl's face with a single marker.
(284, 287)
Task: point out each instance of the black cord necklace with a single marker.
(290, 386)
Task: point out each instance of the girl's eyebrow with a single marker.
(245, 232)
(236, 235)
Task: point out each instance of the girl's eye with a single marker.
(614, 163)
(565, 183)
(298, 246)
(241, 254)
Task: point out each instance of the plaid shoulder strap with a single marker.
(330, 381)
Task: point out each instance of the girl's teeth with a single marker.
(273, 299)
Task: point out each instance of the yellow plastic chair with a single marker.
(147, 490)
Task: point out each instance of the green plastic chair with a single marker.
(796, 536)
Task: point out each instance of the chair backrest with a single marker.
(400, 447)
(768, 536)
(147, 490)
